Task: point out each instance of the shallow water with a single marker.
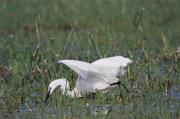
(157, 104)
(174, 92)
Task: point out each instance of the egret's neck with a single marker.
(65, 88)
(62, 83)
(74, 93)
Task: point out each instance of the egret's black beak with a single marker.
(47, 96)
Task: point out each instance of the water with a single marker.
(174, 92)
(165, 103)
(156, 104)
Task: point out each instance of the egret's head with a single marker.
(62, 83)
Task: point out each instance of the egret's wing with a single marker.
(92, 84)
(83, 69)
(90, 78)
(113, 65)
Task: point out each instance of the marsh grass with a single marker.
(34, 35)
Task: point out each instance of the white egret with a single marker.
(100, 75)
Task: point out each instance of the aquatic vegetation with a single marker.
(34, 35)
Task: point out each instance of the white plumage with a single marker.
(92, 77)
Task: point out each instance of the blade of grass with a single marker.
(94, 44)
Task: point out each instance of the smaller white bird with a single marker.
(100, 75)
